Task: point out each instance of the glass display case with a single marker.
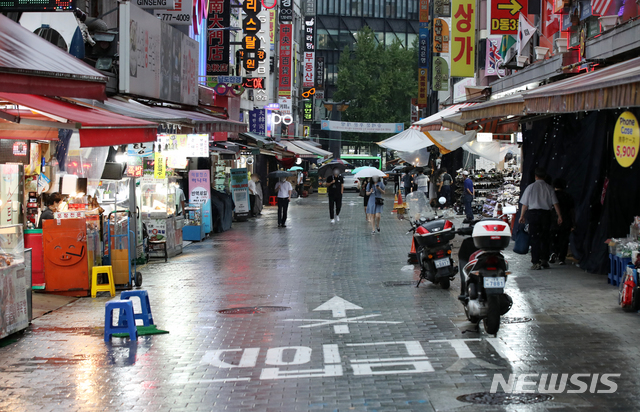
(11, 245)
(11, 194)
(193, 229)
(157, 198)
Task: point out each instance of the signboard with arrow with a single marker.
(504, 15)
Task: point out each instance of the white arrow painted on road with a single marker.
(338, 307)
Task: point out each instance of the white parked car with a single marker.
(350, 182)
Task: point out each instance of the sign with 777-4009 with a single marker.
(505, 14)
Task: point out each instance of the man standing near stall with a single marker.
(335, 188)
(467, 196)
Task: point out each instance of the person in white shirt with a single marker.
(284, 189)
(252, 194)
(300, 185)
(422, 181)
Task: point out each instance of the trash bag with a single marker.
(522, 240)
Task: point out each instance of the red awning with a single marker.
(30, 64)
(97, 127)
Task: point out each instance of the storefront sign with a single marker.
(159, 166)
(37, 5)
(442, 8)
(140, 149)
(493, 58)
(156, 60)
(134, 170)
(286, 11)
(155, 4)
(257, 121)
(505, 14)
(309, 7)
(309, 53)
(240, 190)
(319, 74)
(197, 145)
(440, 76)
(254, 83)
(69, 215)
(218, 19)
(626, 139)
(558, 5)
(585, 9)
(264, 55)
(307, 114)
(272, 30)
(179, 15)
(200, 193)
(423, 84)
(252, 52)
(424, 11)
(286, 48)
(423, 45)
(440, 36)
(20, 149)
(464, 38)
(285, 105)
(338, 126)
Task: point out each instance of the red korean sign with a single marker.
(286, 56)
(505, 14)
(424, 11)
(463, 38)
(218, 21)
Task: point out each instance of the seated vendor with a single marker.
(53, 201)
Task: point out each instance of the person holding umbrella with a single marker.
(375, 190)
(335, 189)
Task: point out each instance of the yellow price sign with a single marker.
(159, 166)
(626, 139)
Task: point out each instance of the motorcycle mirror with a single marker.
(442, 200)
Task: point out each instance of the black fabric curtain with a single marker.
(574, 147)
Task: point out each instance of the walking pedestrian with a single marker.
(300, 185)
(444, 186)
(560, 233)
(257, 207)
(467, 196)
(283, 189)
(335, 189)
(363, 191)
(396, 183)
(375, 190)
(537, 201)
(407, 183)
(422, 182)
(252, 195)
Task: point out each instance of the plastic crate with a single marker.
(617, 268)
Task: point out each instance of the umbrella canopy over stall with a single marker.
(369, 172)
(278, 174)
(408, 141)
(327, 169)
(416, 158)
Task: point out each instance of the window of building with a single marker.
(411, 38)
(356, 8)
(327, 39)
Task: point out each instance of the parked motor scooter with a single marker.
(432, 236)
(484, 272)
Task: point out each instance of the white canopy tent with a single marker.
(407, 141)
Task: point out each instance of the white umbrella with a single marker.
(408, 141)
(369, 172)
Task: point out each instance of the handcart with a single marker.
(121, 250)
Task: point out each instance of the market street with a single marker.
(337, 325)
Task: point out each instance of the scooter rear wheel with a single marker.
(444, 283)
(492, 321)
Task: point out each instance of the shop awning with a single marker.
(434, 122)
(131, 108)
(96, 127)
(203, 123)
(407, 141)
(309, 147)
(608, 88)
(298, 151)
(15, 131)
(506, 106)
(30, 64)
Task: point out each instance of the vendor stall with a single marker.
(15, 282)
(158, 213)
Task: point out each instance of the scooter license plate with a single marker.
(494, 283)
(442, 263)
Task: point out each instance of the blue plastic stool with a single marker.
(126, 312)
(617, 269)
(146, 316)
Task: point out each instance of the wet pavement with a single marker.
(326, 318)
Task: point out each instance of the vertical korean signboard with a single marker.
(252, 53)
(286, 11)
(200, 193)
(218, 22)
(463, 38)
(286, 49)
(423, 54)
(309, 53)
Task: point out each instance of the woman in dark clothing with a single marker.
(52, 206)
(363, 190)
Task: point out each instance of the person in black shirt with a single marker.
(52, 203)
(560, 233)
(335, 188)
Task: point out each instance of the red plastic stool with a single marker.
(272, 201)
